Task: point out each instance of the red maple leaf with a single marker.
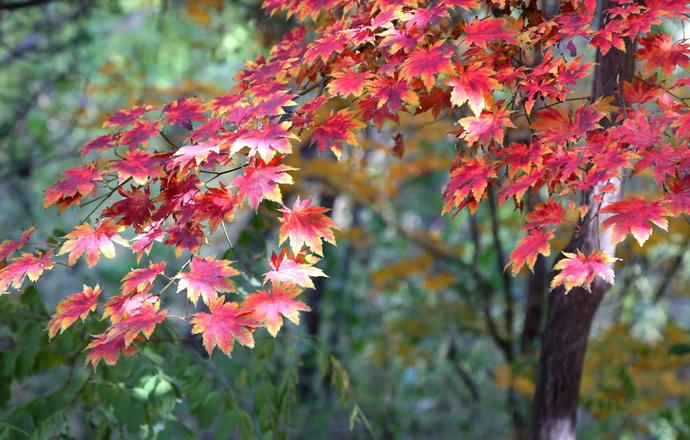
(635, 216)
(125, 117)
(225, 324)
(488, 31)
(138, 165)
(486, 126)
(8, 247)
(139, 280)
(108, 348)
(579, 270)
(426, 63)
(185, 236)
(184, 111)
(322, 48)
(659, 50)
(536, 242)
(521, 157)
(472, 85)
(677, 200)
(140, 133)
(120, 306)
(206, 277)
(397, 40)
(144, 321)
(348, 82)
(92, 242)
(293, 269)
(25, 265)
(392, 93)
(260, 181)
(75, 306)
(269, 306)
(306, 225)
(119, 337)
(134, 209)
(267, 141)
(468, 177)
(194, 155)
(102, 142)
(215, 205)
(73, 186)
(545, 214)
(338, 128)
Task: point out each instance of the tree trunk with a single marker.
(570, 316)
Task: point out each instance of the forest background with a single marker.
(400, 342)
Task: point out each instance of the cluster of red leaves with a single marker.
(378, 59)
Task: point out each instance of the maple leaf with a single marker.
(337, 129)
(144, 321)
(293, 269)
(348, 82)
(102, 142)
(185, 236)
(215, 205)
(225, 324)
(605, 39)
(545, 214)
(134, 209)
(472, 84)
(435, 100)
(8, 247)
(260, 181)
(468, 177)
(677, 200)
(426, 63)
(521, 157)
(397, 40)
(634, 216)
(490, 30)
(516, 188)
(269, 307)
(138, 165)
(120, 306)
(322, 48)
(579, 270)
(140, 133)
(194, 155)
(25, 265)
(536, 242)
(141, 279)
(119, 337)
(392, 93)
(92, 242)
(486, 126)
(75, 306)
(184, 111)
(306, 225)
(267, 141)
(142, 243)
(659, 50)
(206, 277)
(107, 348)
(128, 116)
(75, 184)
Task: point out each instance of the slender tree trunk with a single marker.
(570, 316)
(535, 288)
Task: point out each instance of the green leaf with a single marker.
(679, 349)
(208, 411)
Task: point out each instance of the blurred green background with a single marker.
(399, 342)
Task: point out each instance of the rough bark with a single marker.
(570, 316)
